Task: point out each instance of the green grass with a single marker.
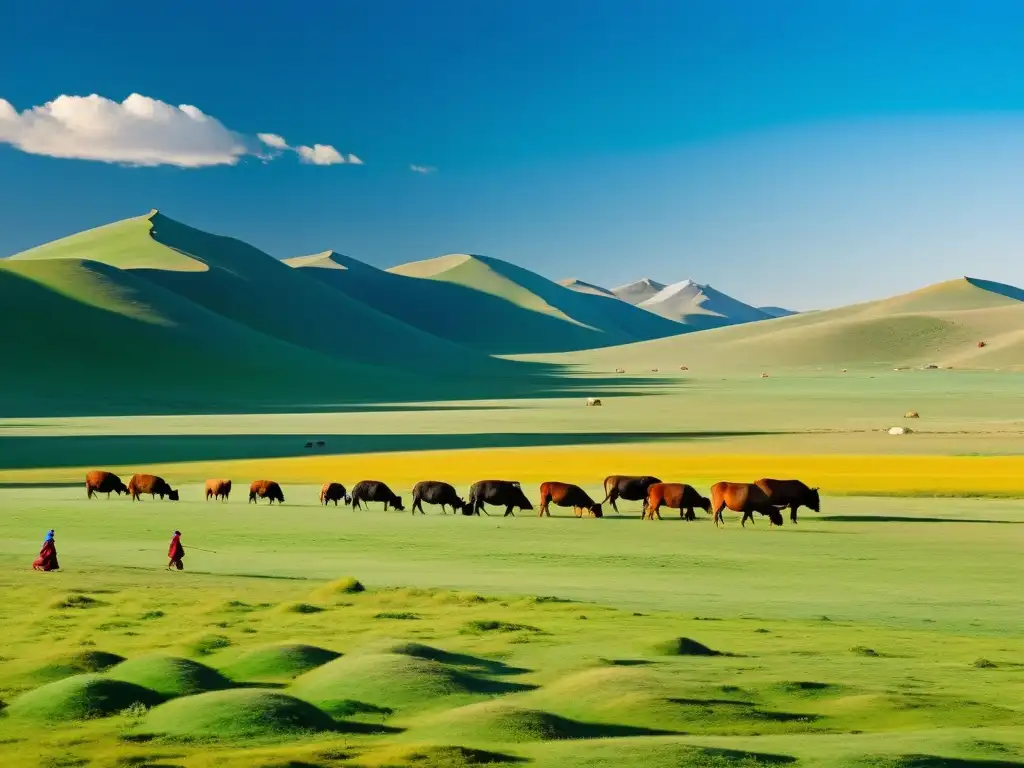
(789, 611)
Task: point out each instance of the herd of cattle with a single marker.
(767, 497)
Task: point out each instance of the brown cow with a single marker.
(334, 492)
(151, 484)
(567, 495)
(674, 496)
(628, 487)
(218, 489)
(99, 481)
(265, 489)
(790, 493)
(747, 498)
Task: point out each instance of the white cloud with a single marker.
(424, 169)
(141, 131)
(273, 140)
(353, 160)
(320, 154)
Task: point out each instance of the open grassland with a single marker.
(879, 633)
(828, 430)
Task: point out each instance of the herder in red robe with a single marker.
(175, 552)
(47, 560)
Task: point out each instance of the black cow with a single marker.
(500, 493)
(628, 487)
(435, 492)
(375, 490)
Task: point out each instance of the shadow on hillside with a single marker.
(489, 323)
(1009, 291)
(77, 450)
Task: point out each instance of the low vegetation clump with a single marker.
(684, 646)
(345, 586)
(80, 698)
(482, 626)
(209, 644)
(76, 601)
(303, 608)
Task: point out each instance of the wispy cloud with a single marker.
(273, 140)
(424, 169)
(140, 131)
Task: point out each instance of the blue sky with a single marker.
(803, 153)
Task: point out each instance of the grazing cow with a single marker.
(790, 493)
(375, 490)
(747, 498)
(218, 489)
(567, 495)
(593, 401)
(435, 492)
(500, 493)
(628, 487)
(265, 489)
(99, 481)
(151, 484)
(308, 445)
(674, 496)
(334, 492)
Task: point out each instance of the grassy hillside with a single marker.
(150, 313)
(586, 320)
(94, 339)
(484, 319)
(940, 324)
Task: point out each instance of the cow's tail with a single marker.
(607, 490)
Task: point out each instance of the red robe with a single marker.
(47, 560)
(175, 552)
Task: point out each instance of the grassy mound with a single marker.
(654, 753)
(462, 660)
(279, 662)
(432, 756)
(75, 664)
(391, 681)
(81, 697)
(498, 722)
(684, 646)
(930, 761)
(484, 626)
(239, 713)
(338, 588)
(169, 676)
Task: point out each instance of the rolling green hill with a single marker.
(94, 339)
(240, 282)
(474, 313)
(941, 324)
(580, 320)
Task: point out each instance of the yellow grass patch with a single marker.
(587, 466)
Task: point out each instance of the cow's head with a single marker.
(397, 504)
(596, 511)
(172, 495)
(813, 500)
